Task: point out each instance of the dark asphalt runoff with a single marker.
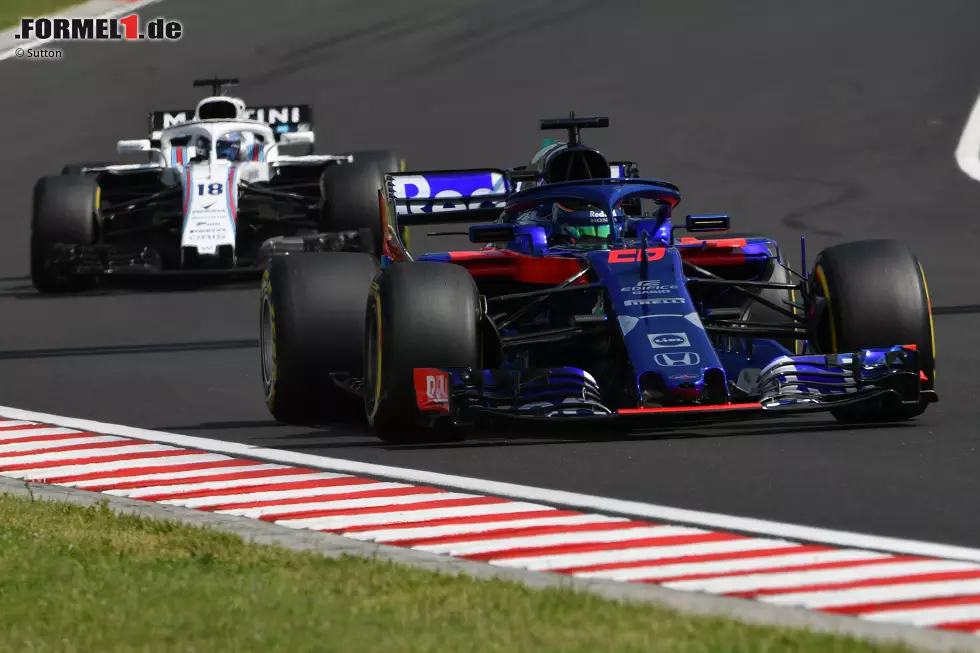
(837, 121)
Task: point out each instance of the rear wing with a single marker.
(443, 196)
(282, 118)
(476, 195)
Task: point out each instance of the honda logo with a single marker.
(677, 359)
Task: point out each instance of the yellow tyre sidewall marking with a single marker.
(932, 331)
(378, 338)
(273, 371)
(797, 348)
(98, 197)
(822, 279)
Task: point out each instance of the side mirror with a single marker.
(295, 138)
(492, 233)
(130, 146)
(719, 222)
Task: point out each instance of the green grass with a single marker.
(85, 579)
(11, 11)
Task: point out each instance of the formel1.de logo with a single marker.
(126, 28)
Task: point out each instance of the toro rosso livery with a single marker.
(577, 309)
(219, 185)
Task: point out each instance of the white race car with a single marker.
(220, 193)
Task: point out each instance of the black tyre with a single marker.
(312, 324)
(419, 315)
(875, 295)
(64, 213)
(349, 194)
(76, 168)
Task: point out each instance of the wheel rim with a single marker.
(268, 345)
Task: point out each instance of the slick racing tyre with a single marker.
(419, 315)
(64, 213)
(312, 324)
(76, 168)
(875, 295)
(349, 194)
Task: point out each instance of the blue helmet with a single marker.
(229, 146)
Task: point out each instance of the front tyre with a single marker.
(64, 213)
(419, 315)
(874, 294)
(312, 325)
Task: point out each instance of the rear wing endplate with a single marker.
(443, 196)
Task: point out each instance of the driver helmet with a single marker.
(229, 146)
(577, 219)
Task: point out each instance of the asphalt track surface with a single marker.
(837, 122)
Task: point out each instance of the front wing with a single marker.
(788, 385)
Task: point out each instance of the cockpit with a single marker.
(234, 146)
(571, 221)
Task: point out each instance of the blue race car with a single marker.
(578, 309)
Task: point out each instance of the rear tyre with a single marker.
(64, 213)
(312, 324)
(419, 315)
(349, 194)
(874, 294)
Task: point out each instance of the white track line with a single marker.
(283, 495)
(788, 579)
(82, 454)
(572, 560)
(20, 434)
(884, 594)
(39, 475)
(927, 616)
(162, 491)
(522, 492)
(14, 446)
(378, 519)
(558, 539)
(343, 504)
(732, 565)
(177, 477)
(489, 528)
(968, 151)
